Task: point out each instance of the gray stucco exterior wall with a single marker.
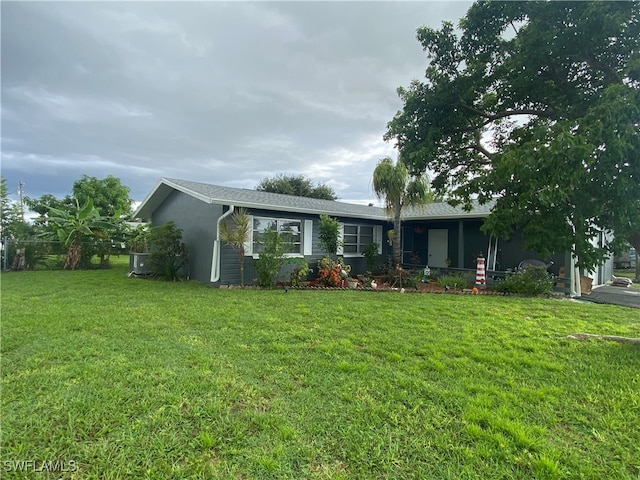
(197, 220)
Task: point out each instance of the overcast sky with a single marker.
(223, 93)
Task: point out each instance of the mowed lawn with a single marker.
(130, 378)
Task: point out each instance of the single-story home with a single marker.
(437, 235)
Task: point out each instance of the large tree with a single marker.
(297, 185)
(536, 106)
(109, 195)
(393, 183)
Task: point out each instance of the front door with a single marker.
(437, 244)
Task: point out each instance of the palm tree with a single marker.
(73, 226)
(398, 188)
(237, 235)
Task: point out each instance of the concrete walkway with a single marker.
(624, 296)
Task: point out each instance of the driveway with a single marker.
(624, 296)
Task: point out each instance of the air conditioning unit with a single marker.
(139, 264)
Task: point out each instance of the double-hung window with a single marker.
(292, 229)
(356, 237)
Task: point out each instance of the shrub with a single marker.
(399, 277)
(455, 281)
(300, 272)
(167, 254)
(331, 273)
(533, 280)
(329, 234)
(410, 279)
(271, 259)
(138, 238)
(34, 253)
(370, 253)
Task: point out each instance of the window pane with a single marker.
(350, 249)
(262, 224)
(350, 229)
(290, 226)
(292, 230)
(366, 239)
(350, 239)
(366, 231)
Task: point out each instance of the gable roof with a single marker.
(242, 197)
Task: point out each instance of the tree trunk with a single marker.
(73, 257)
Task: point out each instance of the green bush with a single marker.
(370, 253)
(167, 254)
(329, 234)
(410, 279)
(533, 280)
(300, 271)
(456, 281)
(271, 259)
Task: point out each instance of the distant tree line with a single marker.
(297, 185)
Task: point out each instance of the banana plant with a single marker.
(76, 225)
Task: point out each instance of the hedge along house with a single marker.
(437, 235)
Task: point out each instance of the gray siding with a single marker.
(197, 220)
(230, 272)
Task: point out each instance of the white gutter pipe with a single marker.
(215, 257)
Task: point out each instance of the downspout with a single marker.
(215, 257)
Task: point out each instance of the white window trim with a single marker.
(307, 237)
(249, 246)
(377, 237)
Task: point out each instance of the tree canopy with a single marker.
(536, 106)
(109, 196)
(393, 183)
(297, 185)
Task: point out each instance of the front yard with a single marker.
(130, 378)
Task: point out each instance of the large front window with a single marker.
(356, 237)
(292, 230)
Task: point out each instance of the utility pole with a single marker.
(20, 185)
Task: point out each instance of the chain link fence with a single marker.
(36, 254)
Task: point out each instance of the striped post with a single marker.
(481, 278)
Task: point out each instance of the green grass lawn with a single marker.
(131, 378)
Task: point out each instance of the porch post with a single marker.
(575, 279)
(461, 244)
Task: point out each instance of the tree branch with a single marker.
(479, 148)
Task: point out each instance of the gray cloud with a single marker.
(225, 93)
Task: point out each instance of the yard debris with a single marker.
(613, 338)
(621, 282)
